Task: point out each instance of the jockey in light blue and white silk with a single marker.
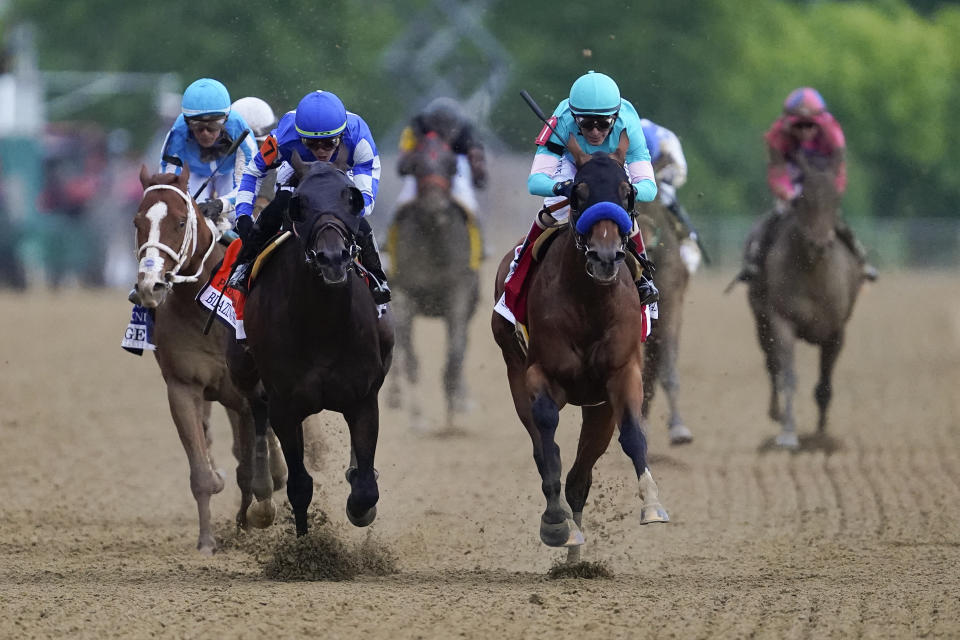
(553, 163)
(207, 99)
(362, 159)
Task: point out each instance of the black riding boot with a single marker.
(845, 233)
(755, 249)
(370, 259)
(645, 287)
(267, 226)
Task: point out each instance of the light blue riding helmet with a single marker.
(594, 94)
(205, 97)
(320, 114)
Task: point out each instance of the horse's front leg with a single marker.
(458, 321)
(780, 363)
(243, 452)
(595, 434)
(262, 513)
(187, 408)
(289, 431)
(829, 352)
(557, 527)
(626, 398)
(363, 419)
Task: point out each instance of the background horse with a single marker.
(177, 250)
(434, 252)
(662, 346)
(316, 342)
(584, 320)
(807, 286)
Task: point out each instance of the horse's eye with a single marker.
(183, 223)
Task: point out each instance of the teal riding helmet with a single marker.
(205, 97)
(594, 94)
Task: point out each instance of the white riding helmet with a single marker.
(257, 114)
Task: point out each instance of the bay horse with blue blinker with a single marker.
(585, 321)
(315, 339)
(177, 250)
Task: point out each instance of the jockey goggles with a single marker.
(600, 123)
(211, 125)
(326, 144)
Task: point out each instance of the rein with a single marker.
(187, 248)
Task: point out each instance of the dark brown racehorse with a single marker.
(807, 286)
(177, 249)
(584, 320)
(434, 274)
(316, 342)
(662, 347)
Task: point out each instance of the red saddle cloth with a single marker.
(229, 302)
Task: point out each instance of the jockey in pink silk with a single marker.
(805, 127)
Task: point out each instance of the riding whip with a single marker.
(233, 148)
(539, 112)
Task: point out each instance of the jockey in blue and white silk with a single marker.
(362, 159)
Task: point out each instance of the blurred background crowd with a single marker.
(87, 91)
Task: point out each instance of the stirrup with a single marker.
(647, 290)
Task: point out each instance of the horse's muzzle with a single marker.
(333, 267)
(603, 265)
(151, 297)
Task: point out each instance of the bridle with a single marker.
(187, 248)
(349, 240)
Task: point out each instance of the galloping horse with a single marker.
(807, 286)
(660, 364)
(584, 320)
(173, 238)
(316, 342)
(434, 251)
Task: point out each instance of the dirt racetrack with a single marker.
(857, 535)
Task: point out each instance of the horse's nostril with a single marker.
(593, 255)
(620, 256)
(157, 286)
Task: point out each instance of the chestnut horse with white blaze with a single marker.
(177, 250)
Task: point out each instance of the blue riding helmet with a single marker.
(205, 97)
(320, 114)
(594, 94)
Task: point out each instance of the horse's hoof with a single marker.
(262, 513)
(562, 534)
(655, 513)
(680, 434)
(365, 519)
(206, 547)
(788, 440)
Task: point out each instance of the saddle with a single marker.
(473, 230)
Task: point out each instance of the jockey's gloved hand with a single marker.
(244, 225)
(211, 208)
(563, 188)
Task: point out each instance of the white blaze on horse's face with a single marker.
(150, 271)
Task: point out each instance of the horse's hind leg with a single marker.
(278, 468)
(364, 422)
(208, 436)
(262, 513)
(626, 393)
(829, 352)
(187, 409)
(595, 434)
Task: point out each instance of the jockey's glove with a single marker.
(563, 188)
(244, 225)
(211, 208)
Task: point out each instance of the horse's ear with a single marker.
(355, 198)
(620, 155)
(144, 176)
(184, 178)
(579, 156)
(299, 166)
(579, 195)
